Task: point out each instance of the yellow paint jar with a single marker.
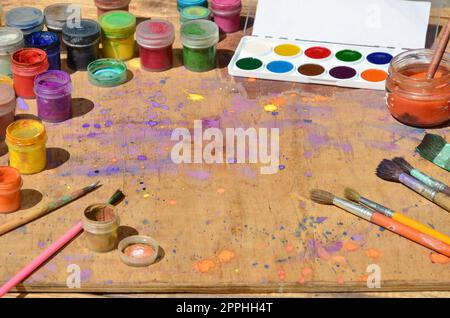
(26, 139)
(118, 28)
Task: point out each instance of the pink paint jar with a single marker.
(110, 5)
(7, 108)
(227, 14)
(155, 39)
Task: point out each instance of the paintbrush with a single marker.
(356, 197)
(419, 175)
(54, 248)
(439, 51)
(389, 171)
(434, 148)
(324, 197)
(34, 214)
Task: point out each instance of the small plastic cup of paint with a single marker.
(26, 64)
(181, 4)
(82, 43)
(10, 185)
(138, 250)
(194, 13)
(55, 16)
(101, 226)
(26, 140)
(7, 108)
(227, 14)
(107, 72)
(27, 19)
(199, 38)
(11, 40)
(53, 91)
(49, 42)
(104, 6)
(155, 39)
(118, 28)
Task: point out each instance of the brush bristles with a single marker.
(322, 197)
(352, 195)
(402, 163)
(431, 146)
(388, 170)
(116, 197)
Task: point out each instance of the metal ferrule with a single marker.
(418, 186)
(377, 207)
(429, 181)
(354, 208)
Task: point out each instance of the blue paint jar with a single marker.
(49, 42)
(27, 19)
(181, 4)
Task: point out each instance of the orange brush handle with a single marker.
(411, 234)
(421, 227)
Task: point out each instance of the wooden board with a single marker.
(226, 227)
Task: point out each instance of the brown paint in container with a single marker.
(311, 70)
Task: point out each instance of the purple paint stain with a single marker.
(333, 247)
(22, 104)
(41, 244)
(201, 175)
(108, 123)
(357, 238)
(97, 126)
(142, 158)
(211, 123)
(152, 123)
(321, 219)
(308, 174)
(307, 154)
(347, 148)
(317, 140)
(86, 275)
(281, 167)
(86, 126)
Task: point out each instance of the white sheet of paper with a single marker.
(386, 23)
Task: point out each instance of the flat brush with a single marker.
(324, 197)
(390, 171)
(356, 197)
(419, 175)
(434, 148)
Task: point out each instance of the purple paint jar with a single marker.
(53, 91)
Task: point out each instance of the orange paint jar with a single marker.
(10, 184)
(411, 97)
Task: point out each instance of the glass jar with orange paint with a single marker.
(412, 98)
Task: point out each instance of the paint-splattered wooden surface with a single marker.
(226, 228)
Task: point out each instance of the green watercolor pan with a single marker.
(107, 72)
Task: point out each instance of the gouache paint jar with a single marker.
(27, 19)
(26, 64)
(7, 108)
(190, 3)
(107, 72)
(194, 13)
(82, 44)
(118, 28)
(199, 38)
(26, 139)
(227, 14)
(155, 39)
(104, 6)
(11, 40)
(53, 91)
(10, 185)
(56, 16)
(48, 42)
(101, 225)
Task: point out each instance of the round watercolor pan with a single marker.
(379, 58)
(311, 70)
(374, 75)
(343, 73)
(249, 64)
(257, 48)
(280, 67)
(287, 50)
(318, 53)
(138, 250)
(349, 56)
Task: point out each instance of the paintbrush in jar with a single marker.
(390, 171)
(324, 197)
(419, 175)
(441, 46)
(354, 196)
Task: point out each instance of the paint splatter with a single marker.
(373, 253)
(270, 108)
(282, 275)
(205, 265)
(22, 105)
(108, 123)
(225, 256)
(439, 258)
(351, 246)
(86, 275)
(221, 190)
(141, 157)
(195, 97)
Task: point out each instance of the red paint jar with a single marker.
(26, 64)
(155, 39)
(104, 6)
(7, 108)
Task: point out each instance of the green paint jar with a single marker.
(199, 38)
(194, 13)
(107, 72)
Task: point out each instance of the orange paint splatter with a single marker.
(373, 253)
(340, 280)
(225, 256)
(301, 280)
(339, 259)
(279, 101)
(351, 246)
(307, 271)
(221, 190)
(251, 80)
(173, 202)
(439, 258)
(281, 275)
(289, 248)
(204, 266)
(364, 278)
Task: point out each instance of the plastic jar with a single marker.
(27, 19)
(107, 72)
(26, 139)
(227, 14)
(199, 38)
(53, 91)
(49, 42)
(7, 108)
(155, 39)
(118, 28)
(26, 64)
(104, 6)
(101, 225)
(10, 184)
(189, 3)
(56, 16)
(11, 40)
(6, 80)
(82, 44)
(411, 97)
(194, 13)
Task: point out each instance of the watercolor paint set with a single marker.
(347, 43)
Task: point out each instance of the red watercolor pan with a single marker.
(318, 52)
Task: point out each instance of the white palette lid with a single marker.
(384, 23)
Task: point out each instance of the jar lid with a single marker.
(9, 178)
(56, 15)
(117, 23)
(25, 132)
(86, 33)
(111, 4)
(138, 250)
(11, 39)
(53, 82)
(225, 5)
(44, 40)
(7, 95)
(24, 17)
(190, 3)
(199, 34)
(155, 33)
(107, 72)
(195, 13)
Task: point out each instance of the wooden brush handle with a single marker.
(442, 200)
(24, 219)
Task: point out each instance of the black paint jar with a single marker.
(82, 43)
